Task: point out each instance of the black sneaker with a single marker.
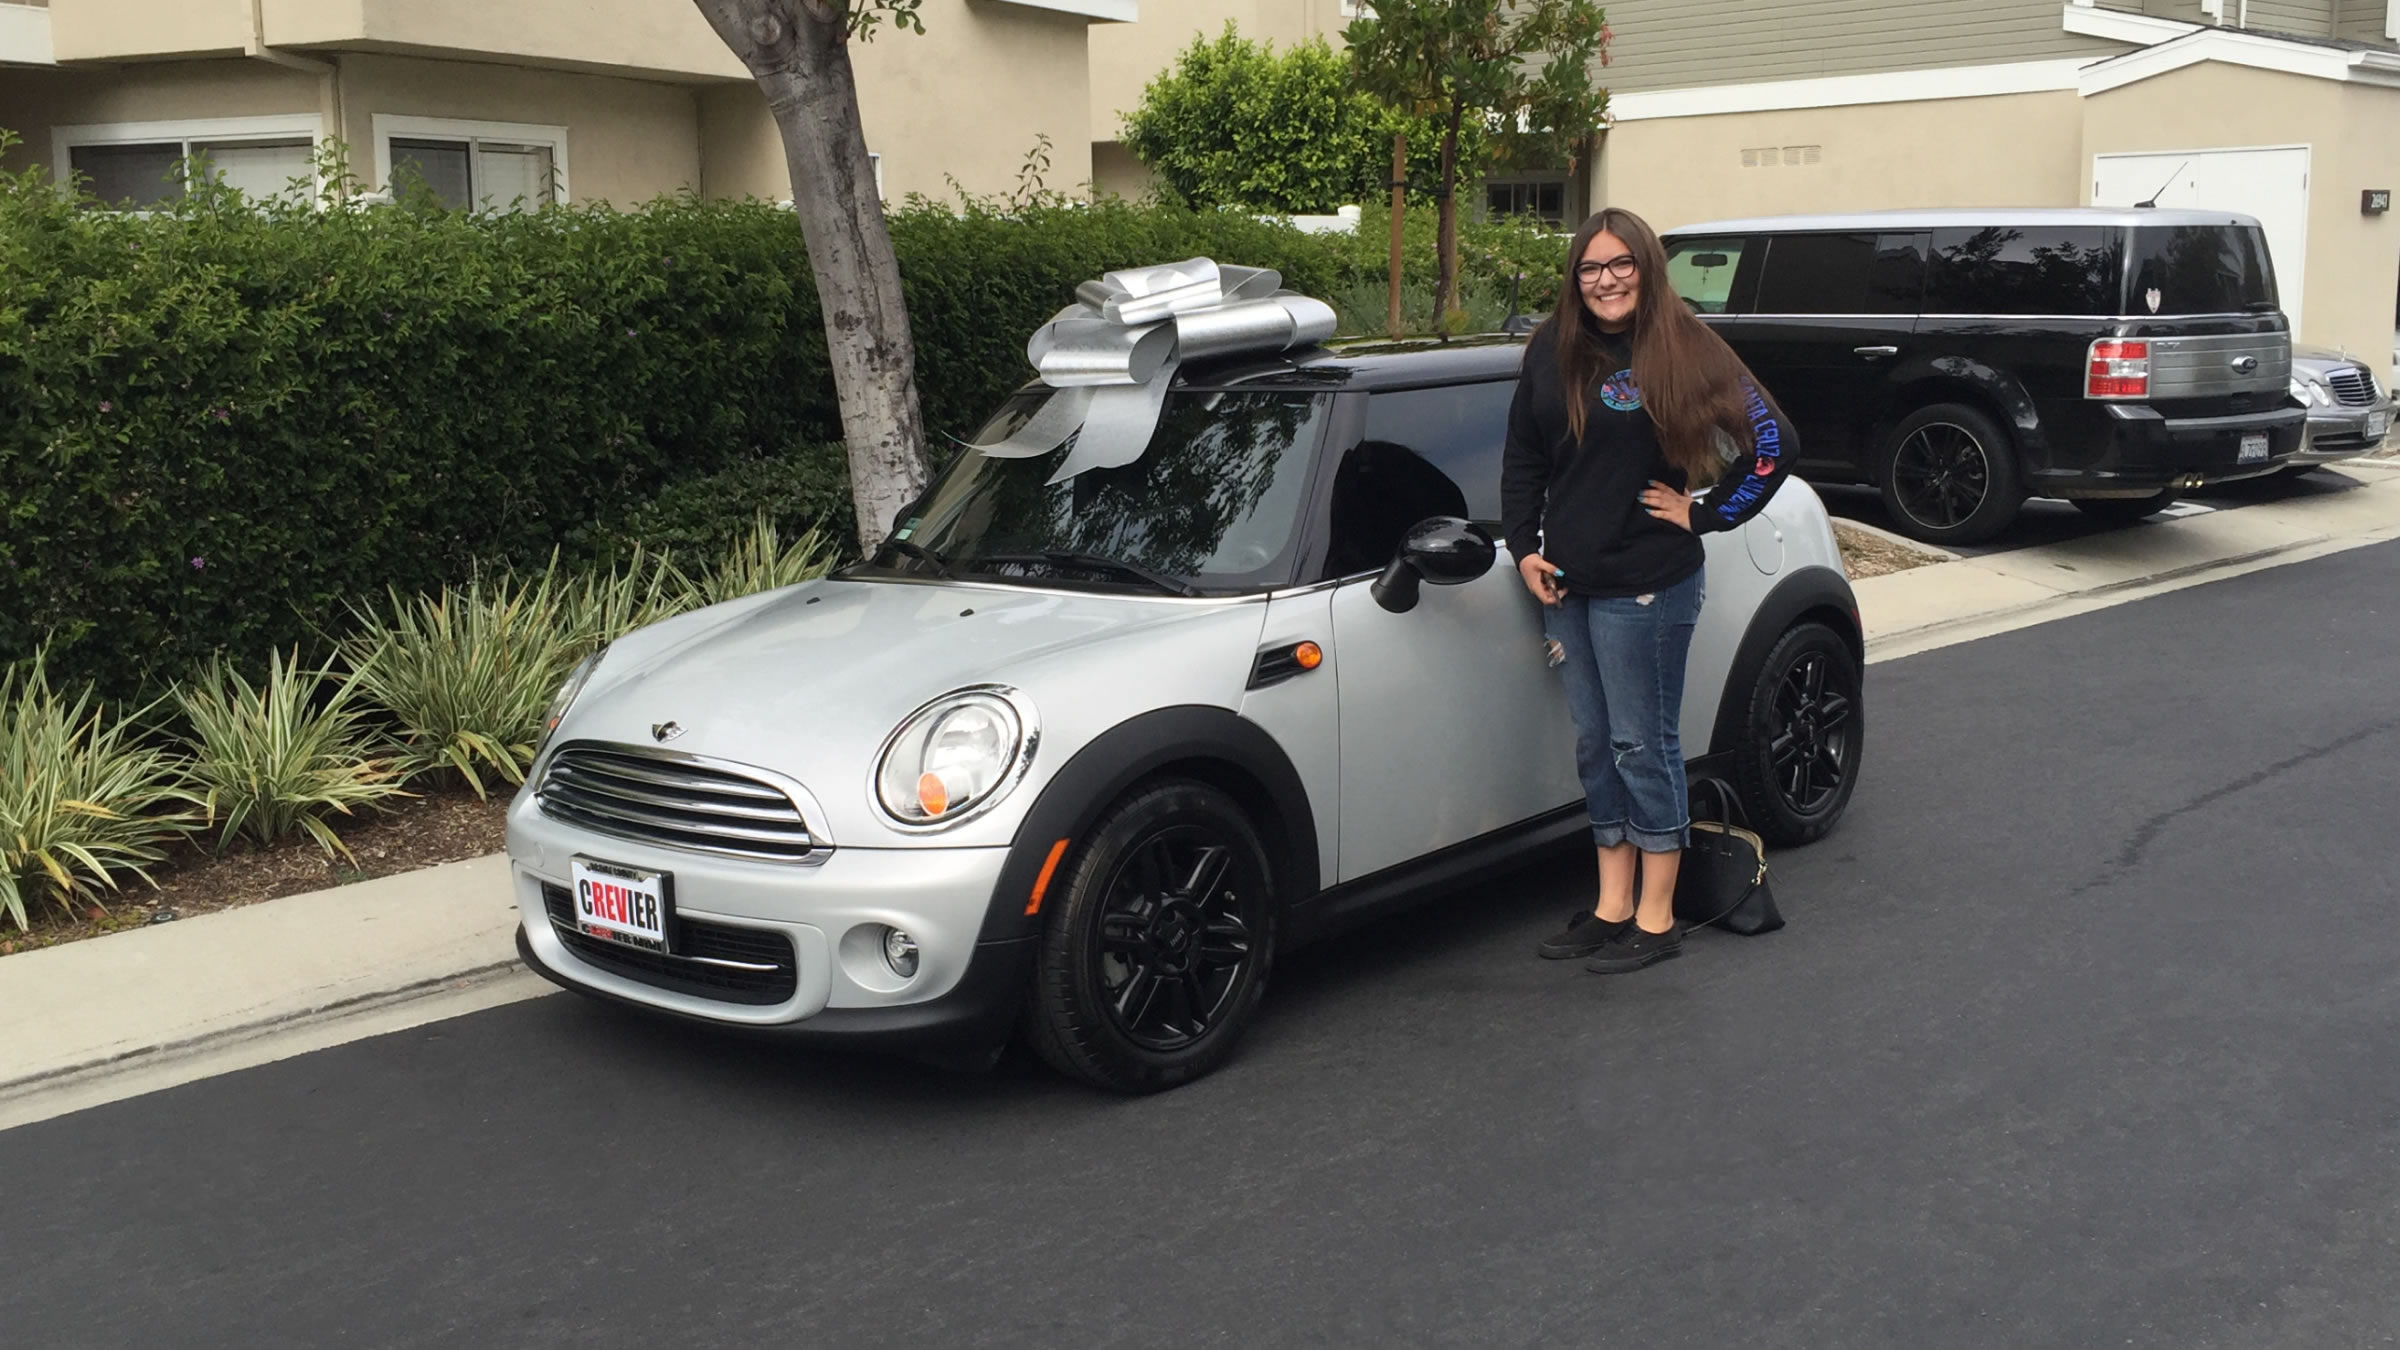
(1586, 933)
(1635, 948)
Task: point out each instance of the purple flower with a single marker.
(629, 332)
(106, 406)
(199, 563)
(220, 414)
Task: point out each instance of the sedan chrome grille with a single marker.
(2350, 385)
(680, 801)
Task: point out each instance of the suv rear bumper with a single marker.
(2146, 452)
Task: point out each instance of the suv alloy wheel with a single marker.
(1949, 475)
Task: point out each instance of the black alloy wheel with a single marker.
(1949, 475)
(1155, 949)
(1799, 761)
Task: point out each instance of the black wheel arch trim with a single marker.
(1215, 745)
(1996, 393)
(1808, 594)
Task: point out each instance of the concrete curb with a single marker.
(1898, 540)
(136, 1011)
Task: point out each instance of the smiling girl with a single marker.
(1627, 406)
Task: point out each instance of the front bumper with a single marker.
(2344, 432)
(2147, 452)
(831, 912)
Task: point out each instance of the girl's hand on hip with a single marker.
(1541, 578)
(1665, 503)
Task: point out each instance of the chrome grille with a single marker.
(2350, 385)
(676, 800)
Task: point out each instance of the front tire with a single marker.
(1949, 476)
(1156, 946)
(1803, 735)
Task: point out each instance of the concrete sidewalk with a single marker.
(107, 1017)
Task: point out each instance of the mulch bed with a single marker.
(1872, 555)
(438, 826)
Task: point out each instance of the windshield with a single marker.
(2200, 269)
(1213, 504)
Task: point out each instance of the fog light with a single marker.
(900, 953)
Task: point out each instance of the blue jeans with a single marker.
(1623, 659)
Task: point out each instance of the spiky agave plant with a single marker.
(278, 758)
(84, 800)
(465, 674)
(762, 561)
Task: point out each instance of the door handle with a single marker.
(1876, 353)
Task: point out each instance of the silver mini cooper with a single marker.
(1077, 757)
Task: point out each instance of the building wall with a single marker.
(657, 38)
(1950, 152)
(33, 102)
(967, 99)
(1669, 44)
(2353, 272)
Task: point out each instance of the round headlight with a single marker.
(565, 697)
(953, 757)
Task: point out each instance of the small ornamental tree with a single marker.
(1238, 124)
(1521, 70)
(799, 52)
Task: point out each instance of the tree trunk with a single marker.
(1446, 269)
(799, 51)
(1399, 208)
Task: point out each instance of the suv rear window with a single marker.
(2024, 269)
(2200, 269)
(1702, 271)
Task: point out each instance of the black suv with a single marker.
(1964, 360)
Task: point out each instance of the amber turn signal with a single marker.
(1308, 656)
(932, 795)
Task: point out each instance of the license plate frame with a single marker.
(2252, 450)
(616, 914)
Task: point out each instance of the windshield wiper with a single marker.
(907, 549)
(1057, 557)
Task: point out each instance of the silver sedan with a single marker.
(2349, 411)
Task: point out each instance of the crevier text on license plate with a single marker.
(2254, 449)
(624, 904)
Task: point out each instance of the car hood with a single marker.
(2321, 358)
(810, 681)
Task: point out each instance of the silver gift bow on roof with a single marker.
(1112, 354)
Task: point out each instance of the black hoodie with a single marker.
(1579, 504)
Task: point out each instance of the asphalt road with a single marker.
(2049, 521)
(2082, 1033)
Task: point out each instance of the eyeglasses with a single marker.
(1622, 267)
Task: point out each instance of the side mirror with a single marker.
(1444, 550)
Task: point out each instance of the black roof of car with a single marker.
(1368, 363)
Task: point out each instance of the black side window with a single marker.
(1426, 452)
(1843, 274)
(2025, 269)
(2201, 269)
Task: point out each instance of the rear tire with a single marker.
(2126, 510)
(1156, 944)
(1803, 736)
(1949, 475)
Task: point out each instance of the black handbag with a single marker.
(1723, 879)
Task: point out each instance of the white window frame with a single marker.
(217, 130)
(385, 126)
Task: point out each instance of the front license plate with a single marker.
(622, 904)
(2254, 449)
(2377, 424)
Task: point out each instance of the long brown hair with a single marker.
(1693, 385)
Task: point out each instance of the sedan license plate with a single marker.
(622, 904)
(2377, 424)
(2254, 449)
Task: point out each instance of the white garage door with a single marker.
(2269, 183)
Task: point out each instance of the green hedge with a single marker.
(224, 421)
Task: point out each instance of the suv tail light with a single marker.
(2117, 369)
